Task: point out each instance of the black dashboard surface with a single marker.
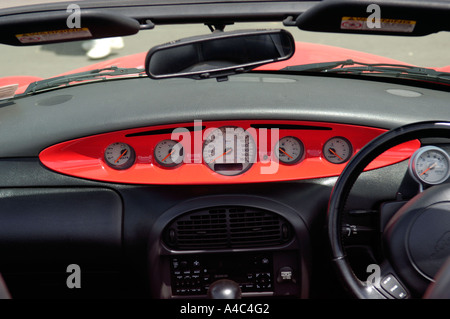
(38, 121)
(72, 220)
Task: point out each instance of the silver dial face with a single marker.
(229, 150)
(337, 150)
(430, 165)
(289, 150)
(119, 155)
(169, 153)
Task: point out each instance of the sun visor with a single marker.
(405, 18)
(53, 27)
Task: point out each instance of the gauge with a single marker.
(289, 150)
(337, 150)
(119, 155)
(229, 150)
(430, 165)
(169, 153)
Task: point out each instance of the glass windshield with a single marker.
(18, 3)
(50, 60)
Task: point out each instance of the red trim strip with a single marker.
(84, 157)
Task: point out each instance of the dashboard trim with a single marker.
(84, 157)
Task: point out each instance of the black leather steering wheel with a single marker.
(416, 239)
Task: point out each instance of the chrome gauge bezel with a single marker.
(295, 157)
(115, 159)
(335, 158)
(165, 157)
(417, 174)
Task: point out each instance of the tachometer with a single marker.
(430, 165)
(229, 150)
(119, 155)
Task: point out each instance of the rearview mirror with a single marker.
(219, 54)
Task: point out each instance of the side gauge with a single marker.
(119, 155)
(169, 153)
(337, 150)
(430, 165)
(289, 150)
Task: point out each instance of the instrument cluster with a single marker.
(218, 152)
(230, 150)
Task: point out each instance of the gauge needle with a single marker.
(334, 153)
(430, 167)
(121, 155)
(167, 156)
(285, 152)
(225, 153)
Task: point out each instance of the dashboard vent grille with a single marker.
(227, 227)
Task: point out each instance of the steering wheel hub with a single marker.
(429, 239)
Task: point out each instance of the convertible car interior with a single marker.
(239, 163)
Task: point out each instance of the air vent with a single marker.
(227, 227)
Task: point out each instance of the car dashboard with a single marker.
(132, 191)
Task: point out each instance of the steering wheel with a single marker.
(416, 239)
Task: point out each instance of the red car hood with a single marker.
(306, 53)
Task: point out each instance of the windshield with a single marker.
(50, 60)
(15, 3)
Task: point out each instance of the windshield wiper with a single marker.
(397, 70)
(97, 74)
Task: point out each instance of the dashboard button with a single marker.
(391, 285)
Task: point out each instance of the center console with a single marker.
(257, 273)
(259, 244)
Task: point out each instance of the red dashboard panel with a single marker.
(88, 157)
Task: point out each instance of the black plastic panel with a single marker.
(46, 226)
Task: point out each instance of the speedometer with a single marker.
(229, 150)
